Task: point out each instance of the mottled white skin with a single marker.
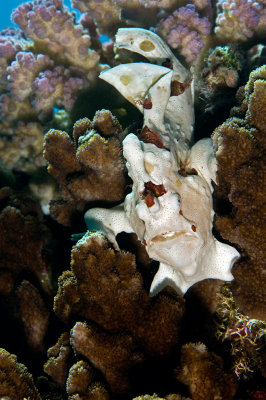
(171, 116)
(177, 228)
(168, 227)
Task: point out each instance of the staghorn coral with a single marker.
(186, 30)
(240, 193)
(203, 372)
(15, 381)
(89, 168)
(239, 20)
(104, 287)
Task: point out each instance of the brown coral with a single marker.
(202, 371)
(113, 355)
(105, 288)
(15, 381)
(57, 364)
(89, 168)
(23, 240)
(34, 314)
(240, 195)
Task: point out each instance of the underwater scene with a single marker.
(132, 200)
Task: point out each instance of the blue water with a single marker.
(7, 8)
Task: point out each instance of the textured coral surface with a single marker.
(15, 380)
(241, 181)
(105, 288)
(105, 338)
(88, 168)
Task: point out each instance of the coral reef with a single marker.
(106, 13)
(89, 167)
(201, 370)
(34, 314)
(15, 381)
(44, 66)
(240, 192)
(105, 288)
(185, 29)
(106, 338)
(24, 239)
(239, 20)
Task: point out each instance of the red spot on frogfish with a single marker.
(151, 136)
(147, 103)
(152, 190)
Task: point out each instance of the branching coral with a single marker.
(104, 287)
(239, 20)
(15, 381)
(45, 65)
(105, 12)
(203, 372)
(23, 239)
(241, 181)
(89, 168)
(185, 29)
(34, 314)
(49, 24)
(117, 341)
(78, 381)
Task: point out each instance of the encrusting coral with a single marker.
(89, 167)
(15, 381)
(240, 192)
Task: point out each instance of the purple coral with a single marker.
(44, 65)
(22, 72)
(239, 20)
(49, 24)
(185, 29)
(10, 44)
(55, 88)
